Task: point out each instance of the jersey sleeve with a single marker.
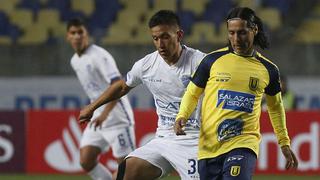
(107, 67)
(189, 101)
(198, 56)
(273, 87)
(134, 77)
(202, 73)
(278, 118)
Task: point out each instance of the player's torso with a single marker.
(232, 102)
(88, 74)
(95, 83)
(168, 84)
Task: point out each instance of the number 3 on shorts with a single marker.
(192, 166)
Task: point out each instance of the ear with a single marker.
(255, 30)
(67, 36)
(180, 35)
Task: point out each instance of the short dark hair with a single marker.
(76, 22)
(164, 17)
(252, 19)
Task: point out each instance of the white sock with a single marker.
(99, 172)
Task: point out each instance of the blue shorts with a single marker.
(238, 164)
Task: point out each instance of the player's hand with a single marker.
(291, 160)
(97, 123)
(179, 126)
(85, 115)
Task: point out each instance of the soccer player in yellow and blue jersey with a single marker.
(233, 81)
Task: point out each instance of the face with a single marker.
(78, 38)
(167, 39)
(241, 36)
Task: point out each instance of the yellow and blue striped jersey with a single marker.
(233, 87)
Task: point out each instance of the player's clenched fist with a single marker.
(179, 126)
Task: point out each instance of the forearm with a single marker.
(278, 118)
(108, 108)
(114, 92)
(189, 101)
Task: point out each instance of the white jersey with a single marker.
(167, 85)
(96, 69)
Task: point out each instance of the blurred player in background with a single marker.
(288, 97)
(112, 125)
(166, 73)
(290, 101)
(233, 80)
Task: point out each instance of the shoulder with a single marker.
(214, 55)
(192, 51)
(73, 58)
(99, 53)
(148, 60)
(97, 50)
(194, 54)
(269, 65)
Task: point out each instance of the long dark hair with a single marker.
(252, 19)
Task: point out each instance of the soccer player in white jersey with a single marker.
(112, 124)
(166, 73)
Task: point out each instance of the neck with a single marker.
(175, 58)
(249, 53)
(80, 52)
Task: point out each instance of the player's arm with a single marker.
(107, 67)
(97, 122)
(278, 118)
(114, 92)
(187, 106)
(192, 95)
(277, 115)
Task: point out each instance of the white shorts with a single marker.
(121, 139)
(169, 154)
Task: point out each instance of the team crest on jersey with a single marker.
(253, 83)
(235, 170)
(185, 80)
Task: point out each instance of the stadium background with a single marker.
(34, 66)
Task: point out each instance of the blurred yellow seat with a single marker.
(48, 18)
(148, 15)
(8, 6)
(271, 17)
(85, 6)
(128, 18)
(117, 34)
(165, 4)
(142, 35)
(308, 32)
(137, 5)
(222, 35)
(197, 7)
(247, 3)
(22, 18)
(59, 31)
(202, 32)
(5, 40)
(33, 35)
